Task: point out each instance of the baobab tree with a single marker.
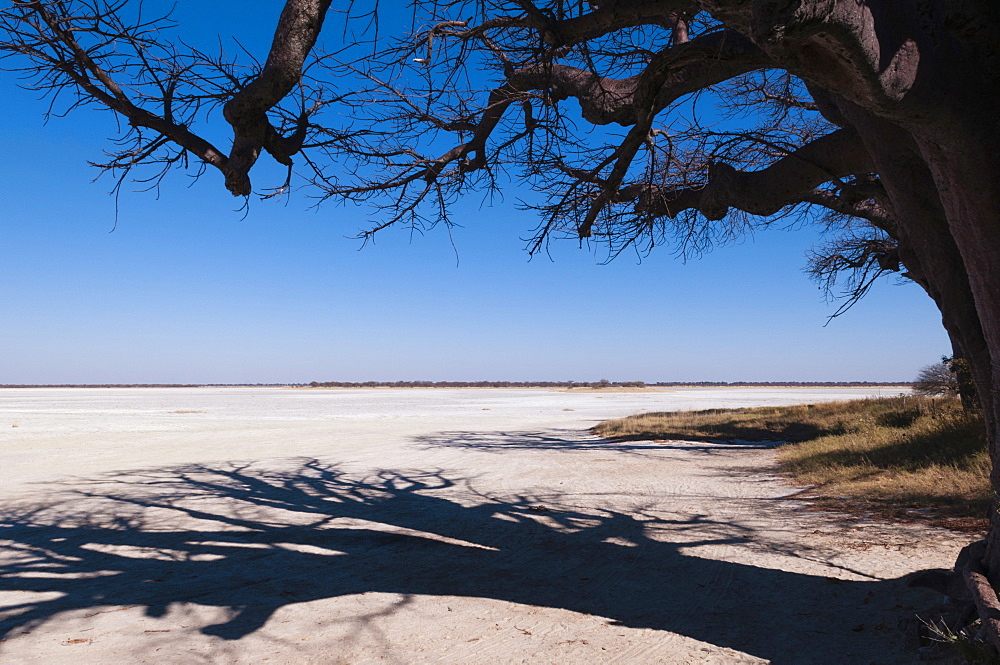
(882, 112)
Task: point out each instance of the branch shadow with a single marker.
(253, 540)
(735, 430)
(576, 440)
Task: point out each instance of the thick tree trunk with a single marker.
(922, 80)
(970, 192)
(948, 205)
(927, 247)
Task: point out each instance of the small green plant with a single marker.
(966, 641)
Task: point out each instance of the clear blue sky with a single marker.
(186, 289)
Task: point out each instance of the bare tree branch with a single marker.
(787, 181)
(298, 28)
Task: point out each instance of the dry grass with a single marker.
(897, 455)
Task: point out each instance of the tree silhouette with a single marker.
(881, 111)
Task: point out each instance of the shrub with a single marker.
(936, 379)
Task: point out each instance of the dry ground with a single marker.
(437, 526)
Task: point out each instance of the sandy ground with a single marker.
(247, 525)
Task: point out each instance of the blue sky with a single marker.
(187, 289)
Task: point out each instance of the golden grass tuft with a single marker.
(889, 455)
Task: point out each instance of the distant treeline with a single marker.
(603, 383)
(481, 384)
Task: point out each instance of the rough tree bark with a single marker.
(911, 73)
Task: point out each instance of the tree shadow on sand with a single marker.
(574, 440)
(253, 540)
